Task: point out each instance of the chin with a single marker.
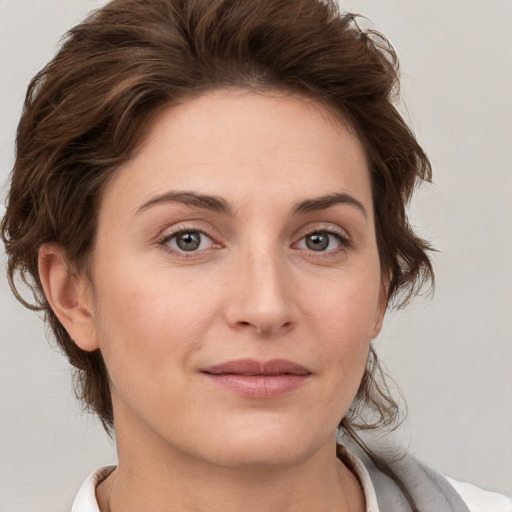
(264, 448)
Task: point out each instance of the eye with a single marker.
(322, 241)
(189, 241)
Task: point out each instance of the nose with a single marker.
(262, 298)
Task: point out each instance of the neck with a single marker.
(155, 477)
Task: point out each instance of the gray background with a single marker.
(452, 356)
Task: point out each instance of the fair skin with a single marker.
(242, 229)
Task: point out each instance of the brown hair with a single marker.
(86, 111)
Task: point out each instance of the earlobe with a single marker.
(381, 308)
(378, 323)
(69, 296)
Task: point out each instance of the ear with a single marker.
(381, 307)
(69, 296)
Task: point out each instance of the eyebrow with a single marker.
(324, 202)
(220, 205)
(207, 202)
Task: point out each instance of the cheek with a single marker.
(347, 310)
(343, 322)
(147, 321)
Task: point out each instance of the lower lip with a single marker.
(259, 386)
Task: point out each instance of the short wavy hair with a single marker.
(88, 109)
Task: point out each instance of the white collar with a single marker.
(86, 501)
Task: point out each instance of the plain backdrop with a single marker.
(451, 356)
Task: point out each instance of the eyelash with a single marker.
(344, 242)
(164, 240)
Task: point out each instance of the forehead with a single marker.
(240, 143)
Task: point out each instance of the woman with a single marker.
(209, 198)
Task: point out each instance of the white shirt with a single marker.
(477, 500)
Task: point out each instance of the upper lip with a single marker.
(251, 367)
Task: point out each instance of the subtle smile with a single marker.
(257, 379)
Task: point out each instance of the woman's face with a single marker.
(236, 280)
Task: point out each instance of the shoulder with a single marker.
(85, 500)
(479, 500)
(430, 489)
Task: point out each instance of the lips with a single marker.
(252, 367)
(258, 379)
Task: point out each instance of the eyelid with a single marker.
(181, 226)
(202, 236)
(323, 227)
(341, 234)
(169, 233)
